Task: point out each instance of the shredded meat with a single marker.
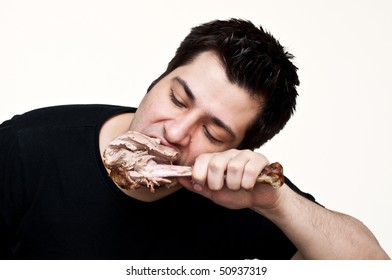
(135, 160)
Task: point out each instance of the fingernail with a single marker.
(197, 187)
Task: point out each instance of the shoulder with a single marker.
(81, 114)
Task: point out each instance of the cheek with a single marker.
(199, 145)
(149, 103)
(151, 109)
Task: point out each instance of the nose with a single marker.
(179, 130)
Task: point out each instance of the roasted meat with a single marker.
(135, 160)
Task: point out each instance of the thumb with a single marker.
(194, 187)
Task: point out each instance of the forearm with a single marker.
(319, 233)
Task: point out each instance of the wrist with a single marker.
(281, 208)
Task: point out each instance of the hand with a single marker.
(229, 178)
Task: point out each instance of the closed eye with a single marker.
(176, 102)
(211, 138)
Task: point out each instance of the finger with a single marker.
(209, 169)
(252, 170)
(202, 190)
(186, 182)
(235, 170)
(216, 170)
(200, 169)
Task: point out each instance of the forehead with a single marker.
(215, 94)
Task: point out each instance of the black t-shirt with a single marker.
(58, 202)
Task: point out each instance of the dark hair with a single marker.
(255, 61)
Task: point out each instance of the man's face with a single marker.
(195, 109)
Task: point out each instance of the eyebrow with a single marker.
(186, 88)
(213, 118)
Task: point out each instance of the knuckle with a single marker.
(215, 165)
(253, 170)
(234, 167)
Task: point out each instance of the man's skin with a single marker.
(200, 113)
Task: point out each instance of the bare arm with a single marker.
(229, 179)
(319, 233)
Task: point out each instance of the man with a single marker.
(230, 88)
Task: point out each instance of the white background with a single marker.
(337, 145)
